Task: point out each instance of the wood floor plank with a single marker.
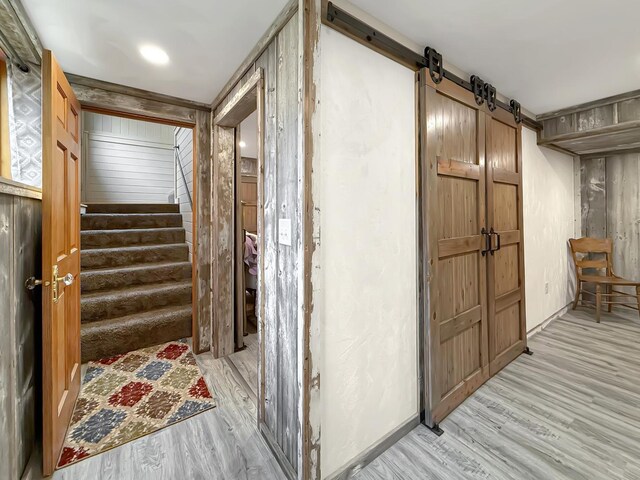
(570, 411)
(222, 443)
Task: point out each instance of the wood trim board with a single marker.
(282, 19)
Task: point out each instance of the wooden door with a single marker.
(249, 199)
(60, 257)
(453, 140)
(505, 267)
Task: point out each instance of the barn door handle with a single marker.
(493, 232)
(487, 241)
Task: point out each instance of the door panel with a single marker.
(60, 257)
(505, 267)
(455, 213)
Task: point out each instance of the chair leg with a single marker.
(609, 298)
(578, 290)
(598, 302)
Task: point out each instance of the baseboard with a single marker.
(375, 450)
(545, 324)
(282, 460)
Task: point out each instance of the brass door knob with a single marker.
(31, 283)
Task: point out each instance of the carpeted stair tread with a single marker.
(119, 221)
(133, 208)
(91, 239)
(123, 256)
(129, 276)
(99, 306)
(124, 334)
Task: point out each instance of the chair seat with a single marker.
(602, 279)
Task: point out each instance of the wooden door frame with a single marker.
(226, 156)
(195, 330)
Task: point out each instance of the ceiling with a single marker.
(206, 40)
(547, 54)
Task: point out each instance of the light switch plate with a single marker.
(284, 231)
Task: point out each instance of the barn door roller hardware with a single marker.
(431, 60)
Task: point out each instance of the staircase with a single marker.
(135, 278)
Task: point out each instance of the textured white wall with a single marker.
(368, 248)
(548, 207)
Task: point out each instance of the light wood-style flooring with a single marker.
(222, 443)
(570, 411)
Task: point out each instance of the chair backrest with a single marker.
(585, 250)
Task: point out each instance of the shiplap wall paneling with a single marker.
(184, 140)
(282, 266)
(20, 247)
(127, 161)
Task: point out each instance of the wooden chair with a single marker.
(595, 254)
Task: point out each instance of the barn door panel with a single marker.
(505, 267)
(454, 176)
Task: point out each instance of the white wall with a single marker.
(126, 161)
(367, 289)
(548, 207)
(184, 139)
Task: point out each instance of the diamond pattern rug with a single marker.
(131, 395)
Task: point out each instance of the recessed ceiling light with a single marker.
(243, 144)
(154, 54)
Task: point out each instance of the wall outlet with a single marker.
(546, 288)
(284, 231)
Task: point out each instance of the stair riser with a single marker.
(133, 208)
(133, 221)
(124, 238)
(116, 304)
(98, 280)
(118, 258)
(100, 340)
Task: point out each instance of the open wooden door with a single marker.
(60, 257)
(456, 350)
(505, 267)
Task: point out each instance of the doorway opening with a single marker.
(137, 230)
(238, 317)
(245, 358)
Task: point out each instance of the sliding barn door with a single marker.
(456, 350)
(505, 267)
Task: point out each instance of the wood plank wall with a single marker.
(606, 133)
(610, 201)
(606, 125)
(20, 314)
(282, 193)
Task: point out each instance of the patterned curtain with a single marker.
(25, 124)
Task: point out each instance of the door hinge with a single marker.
(434, 63)
(477, 86)
(516, 109)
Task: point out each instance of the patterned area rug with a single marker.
(128, 396)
